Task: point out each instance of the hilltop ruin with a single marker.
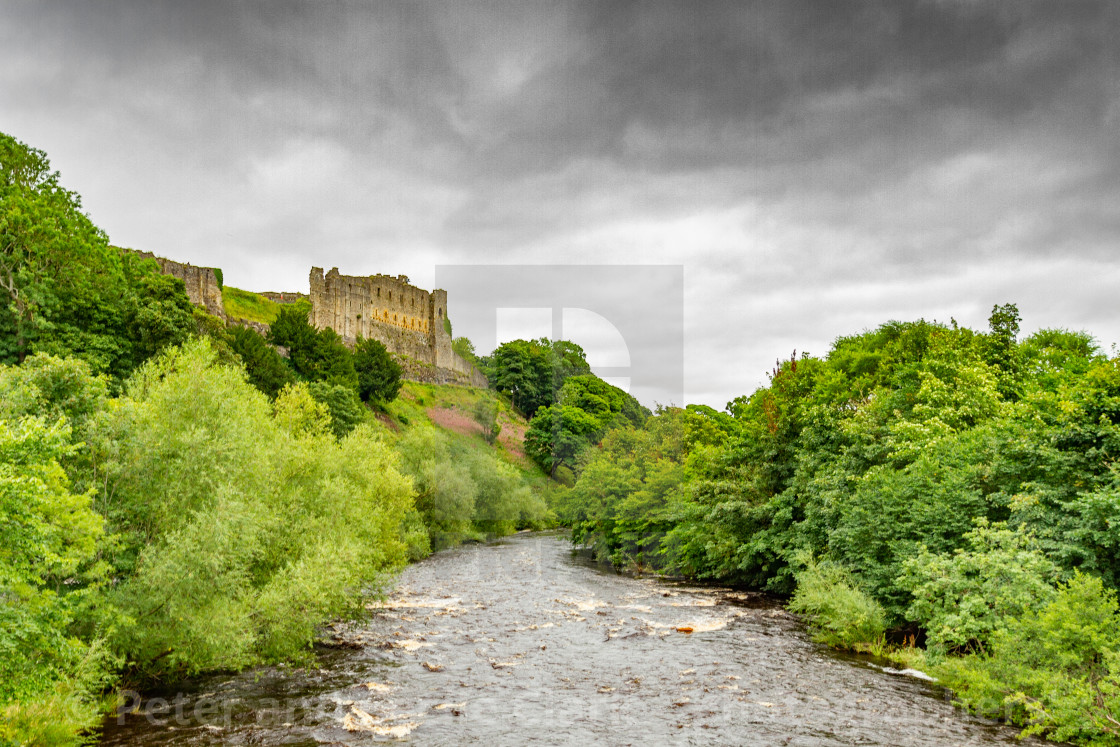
(409, 321)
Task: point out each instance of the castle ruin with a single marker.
(201, 282)
(409, 321)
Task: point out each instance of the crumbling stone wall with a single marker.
(285, 297)
(407, 320)
(201, 282)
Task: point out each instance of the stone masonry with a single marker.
(201, 282)
(409, 321)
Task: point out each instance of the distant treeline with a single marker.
(570, 408)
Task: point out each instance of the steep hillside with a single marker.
(460, 412)
(254, 307)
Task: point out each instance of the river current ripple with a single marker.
(523, 641)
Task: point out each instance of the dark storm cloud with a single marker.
(816, 166)
(777, 80)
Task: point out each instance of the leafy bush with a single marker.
(445, 489)
(1055, 671)
(502, 503)
(485, 413)
(379, 376)
(243, 525)
(49, 678)
(962, 599)
(52, 388)
(316, 355)
(841, 614)
(346, 410)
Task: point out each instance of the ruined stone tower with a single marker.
(408, 320)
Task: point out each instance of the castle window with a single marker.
(379, 293)
(390, 295)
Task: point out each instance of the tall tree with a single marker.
(58, 275)
(531, 373)
(379, 376)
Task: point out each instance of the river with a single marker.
(522, 641)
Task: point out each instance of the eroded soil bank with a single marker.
(520, 641)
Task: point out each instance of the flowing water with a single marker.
(522, 641)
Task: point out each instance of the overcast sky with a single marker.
(817, 168)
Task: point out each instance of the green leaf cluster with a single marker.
(464, 494)
(585, 409)
(64, 289)
(531, 372)
(920, 479)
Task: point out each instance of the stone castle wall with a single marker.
(201, 282)
(285, 297)
(407, 320)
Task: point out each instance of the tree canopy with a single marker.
(531, 372)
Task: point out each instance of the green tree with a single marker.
(162, 315)
(963, 598)
(266, 369)
(1001, 349)
(445, 490)
(55, 389)
(332, 361)
(586, 408)
(558, 434)
(531, 373)
(49, 679)
(379, 376)
(291, 330)
(485, 413)
(464, 348)
(64, 288)
(241, 524)
(316, 355)
(346, 410)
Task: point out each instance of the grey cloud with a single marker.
(817, 166)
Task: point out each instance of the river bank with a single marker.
(521, 640)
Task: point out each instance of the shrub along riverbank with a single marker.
(175, 497)
(192, 524)
(920, 480)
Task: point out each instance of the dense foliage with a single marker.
(175, 496)
(919, 477)
(64, 289)
(571, 408)
(379, 376)
(531, 373)
(585, 408)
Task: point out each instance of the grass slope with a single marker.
(241, 304)
(451, 408)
